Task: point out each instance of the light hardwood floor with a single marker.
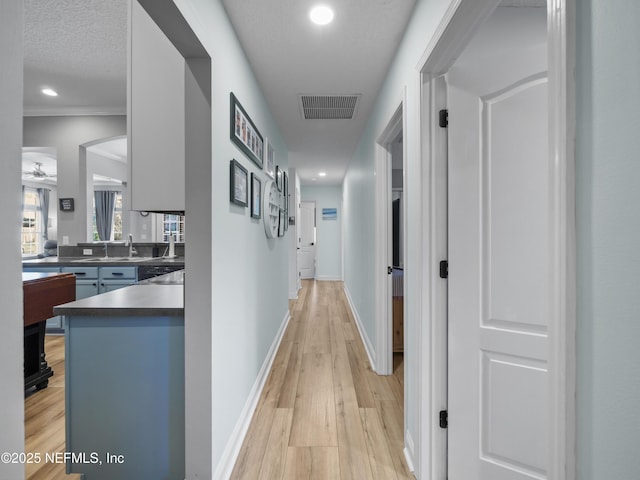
(44, 418)
(324, 414)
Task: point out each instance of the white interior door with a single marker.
(307, 240)
(498, 268)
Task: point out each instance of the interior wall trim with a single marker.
(232, 450)
(368, 346)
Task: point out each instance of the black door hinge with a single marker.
(444, 118)
(444, 269)
(389, 270)
(444, 419)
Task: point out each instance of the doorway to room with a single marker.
(507, 387)
(307, 241)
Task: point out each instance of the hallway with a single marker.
(323, 413)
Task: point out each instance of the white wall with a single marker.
(328, 232)
(11, 341)
(248, 272)
(359, 196)
(608, 239)
(66, 134)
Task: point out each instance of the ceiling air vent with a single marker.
(329, 107)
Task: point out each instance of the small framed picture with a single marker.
(256, 196)
(270, 159)
(278, 178)
(238, 183)
(244, 132)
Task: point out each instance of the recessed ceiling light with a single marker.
(321, 15)
(50, 92)
(323, 174)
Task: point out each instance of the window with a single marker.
(116, 225)
(31, 237)
(173, 225)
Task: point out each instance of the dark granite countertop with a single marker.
(136, 300)
(173, 278)
(98, 261)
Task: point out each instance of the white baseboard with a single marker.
(232, 450)
(368, 346)
(293, 295)
(408, 451)
(328, 278)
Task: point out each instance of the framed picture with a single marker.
(238, 184)
(278, 178)
(244, 132)
(269, 159)
(256, 197)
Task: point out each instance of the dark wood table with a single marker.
(42, 292)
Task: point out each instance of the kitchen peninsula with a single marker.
(125, 382)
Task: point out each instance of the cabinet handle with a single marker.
(117, 274)
(94, 284)
(80, 273)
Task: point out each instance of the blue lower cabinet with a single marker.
(125, 402)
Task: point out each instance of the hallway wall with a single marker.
(246, 280)
(328, 232)
(11, 340)
(359, 196)
(608, 231)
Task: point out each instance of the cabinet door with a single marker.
(156, 127)
(86, 288)
(110, 285)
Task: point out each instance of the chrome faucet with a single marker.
(106, 250)
(132, 250)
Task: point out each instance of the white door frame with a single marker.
(459, 24)
(382, 364)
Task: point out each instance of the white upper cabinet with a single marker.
(156, 117)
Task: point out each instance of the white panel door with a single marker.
(307, 240)
(498, 272)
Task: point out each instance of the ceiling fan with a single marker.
(37, 173)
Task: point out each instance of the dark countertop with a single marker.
(173, 278)
(136, 300)
(100, 261)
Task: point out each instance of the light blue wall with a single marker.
(608, 230)
(11, 339)
(328, 232)
(359, 193)
(248, 272)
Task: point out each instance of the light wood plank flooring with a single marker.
(44, 417)
(324, 414)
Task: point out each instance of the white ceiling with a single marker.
(46, 158)
(291, 56)
(78, 48)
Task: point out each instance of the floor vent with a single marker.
(329, 107)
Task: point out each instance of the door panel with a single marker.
(498, 266)
(307, 251)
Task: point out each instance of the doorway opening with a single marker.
(307, 241)
(504, 191)
(390, 241)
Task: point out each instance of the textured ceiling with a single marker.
(78, 48)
